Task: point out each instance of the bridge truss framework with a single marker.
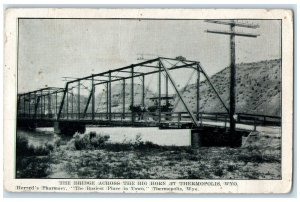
(37, 106)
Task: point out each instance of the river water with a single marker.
(177, 137)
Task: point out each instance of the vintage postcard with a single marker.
(148, 100)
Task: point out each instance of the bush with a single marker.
(22, 146)
(231, 168)
(219, 172)
(117, 147)
(24, 149)
(146, 146)
(89, 141)
(32, 167)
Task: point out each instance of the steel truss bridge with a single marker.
(50, 106)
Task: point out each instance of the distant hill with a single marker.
(258, 89)
(100, 103)
(117, 97)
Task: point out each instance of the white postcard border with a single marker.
(131, 186)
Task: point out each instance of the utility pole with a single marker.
(93, 99)
(232, 33)
(78, 99)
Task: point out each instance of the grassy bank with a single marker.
(93, 156)
(32, 161)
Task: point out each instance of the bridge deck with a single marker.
(167, 121)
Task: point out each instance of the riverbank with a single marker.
(93, 156)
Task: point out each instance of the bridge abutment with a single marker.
(215, 137)
(69, 128)
(27, 124)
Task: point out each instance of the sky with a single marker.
(50, 49)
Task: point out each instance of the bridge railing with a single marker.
(175, 118)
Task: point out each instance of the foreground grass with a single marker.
(92, 156)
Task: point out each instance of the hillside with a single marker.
(100, 103)
(117, 97)
(258, 89)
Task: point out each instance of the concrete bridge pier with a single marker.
(69, 128)
(215, 137)
(196, 138)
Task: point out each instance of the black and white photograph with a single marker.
(143, 98)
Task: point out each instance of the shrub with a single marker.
(89, 141)
(24, 149)
(32, 167)
(146, 146)
(117, 147)
(231, 168)
(22, 146)
(138, 139)
(219, 172)
(71, 145)
(81, 141)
